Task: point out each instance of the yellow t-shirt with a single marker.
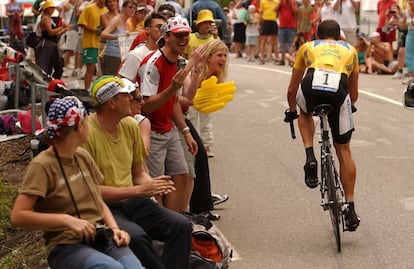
(91, 16)
(115, 155)
(337, 56)
(267, 7)
(134, 28)
(195, 42)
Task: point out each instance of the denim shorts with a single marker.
(286, 36)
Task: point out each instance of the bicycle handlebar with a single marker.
(292, 130)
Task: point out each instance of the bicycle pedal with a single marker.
(325, 206)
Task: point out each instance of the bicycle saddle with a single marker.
(321, 109)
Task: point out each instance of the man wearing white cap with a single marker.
(116, 145)
(160, 82)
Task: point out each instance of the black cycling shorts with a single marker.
(340, 118)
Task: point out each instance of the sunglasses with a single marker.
(138, 98)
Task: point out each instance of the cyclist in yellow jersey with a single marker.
(326, 72)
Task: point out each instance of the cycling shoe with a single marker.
(311, 174)
(351, 220)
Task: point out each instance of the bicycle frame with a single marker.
(332, 193)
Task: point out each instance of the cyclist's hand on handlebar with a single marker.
(290, 115)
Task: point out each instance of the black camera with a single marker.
(103, 234)
(180, 63)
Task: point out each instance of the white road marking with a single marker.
(391, 101)
(362, 91)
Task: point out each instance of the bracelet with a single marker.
(185, 129)
(187, 134)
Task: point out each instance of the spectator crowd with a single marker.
(145, 143)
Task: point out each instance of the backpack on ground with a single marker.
(210, 248)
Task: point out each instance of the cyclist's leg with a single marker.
(342, 127)
(348, 177)
(305, 120)
(307, 131)
(306, 128)
(341, 122)
(347, 169)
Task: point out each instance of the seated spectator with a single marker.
(361, 46)
(379, 56)
(116, 144)
(70, 211)
(298, 41)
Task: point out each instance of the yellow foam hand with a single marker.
(213, 96)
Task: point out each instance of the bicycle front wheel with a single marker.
(333, 200)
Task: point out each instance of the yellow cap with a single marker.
(47, 4)
(204, 15)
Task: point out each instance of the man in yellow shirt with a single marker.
(89, 20)
(331, 77)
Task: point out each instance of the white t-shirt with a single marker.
(346, 19)
(327, 13)
(133, 59)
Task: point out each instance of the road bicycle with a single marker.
(332, 193)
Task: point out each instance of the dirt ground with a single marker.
(19, 248)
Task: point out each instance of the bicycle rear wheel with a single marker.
(334, 210)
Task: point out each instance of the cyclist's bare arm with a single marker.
(295, 80)
(353, 86)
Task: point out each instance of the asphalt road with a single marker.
(272, 219)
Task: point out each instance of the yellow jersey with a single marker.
(337, 56)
